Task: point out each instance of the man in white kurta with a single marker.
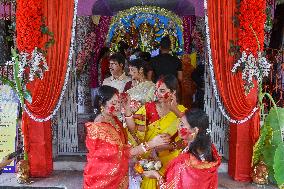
(118, 79)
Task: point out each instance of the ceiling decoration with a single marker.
(112, 7)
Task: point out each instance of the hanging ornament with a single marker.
(96, 19)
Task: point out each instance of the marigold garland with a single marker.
(29, 20)
(252, 16)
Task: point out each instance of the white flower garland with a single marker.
(211, 69)
(71, 50)
(36, 62)
(253, 68)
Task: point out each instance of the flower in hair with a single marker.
(208, 131)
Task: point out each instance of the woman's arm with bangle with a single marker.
(128, 115)
(142, 148)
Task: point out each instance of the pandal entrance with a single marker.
(142, 27)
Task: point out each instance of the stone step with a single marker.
(74, 180)
(79, 166)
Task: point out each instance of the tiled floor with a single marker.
(74, 179)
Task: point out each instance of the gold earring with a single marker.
(102, 109)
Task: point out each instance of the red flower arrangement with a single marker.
(29, 21)
(251, 20)
(85, 54)
(252, 62)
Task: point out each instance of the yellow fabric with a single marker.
(143, 92)
(193, 59)
(167, 124)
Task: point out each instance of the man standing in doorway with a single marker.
(165, 63)
(118, 79)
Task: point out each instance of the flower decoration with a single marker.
(253, 68)
(26, 67)
(28, 60)
(146, 165)
(29, 21)
(198, 38)
(198, 41)
(252, 62)
(85, 54)
(208, 131)
(31, 66)
(252, 16)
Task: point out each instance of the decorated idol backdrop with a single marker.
(144, 27)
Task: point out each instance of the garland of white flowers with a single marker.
(253, 68)
(211, 69)
(71, 50)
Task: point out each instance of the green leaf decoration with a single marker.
(277, 124)
(9, 38)
(44, 30)
(272, 146)
(27, 96)
(265, 137)
(18, 81)
(278, 165)
(50, 33)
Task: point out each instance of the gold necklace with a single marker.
(112, 122)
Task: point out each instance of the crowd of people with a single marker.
(115, 70)
(140, 115)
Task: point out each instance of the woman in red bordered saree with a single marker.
(197, 166)
(109, 153)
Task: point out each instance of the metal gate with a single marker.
(217, 122)
(68, 125)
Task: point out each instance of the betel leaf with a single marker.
(278, 165)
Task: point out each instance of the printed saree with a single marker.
(155, 126)
(107, 160)
(186, 171)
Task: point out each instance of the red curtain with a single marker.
(46, 92)
(237, 104)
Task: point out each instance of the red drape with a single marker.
(237, 104)
(46, 92)
(185, 171)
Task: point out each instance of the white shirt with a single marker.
(119, 83)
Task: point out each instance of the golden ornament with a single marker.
(96, 19)
(260, 173)
(23, 172)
